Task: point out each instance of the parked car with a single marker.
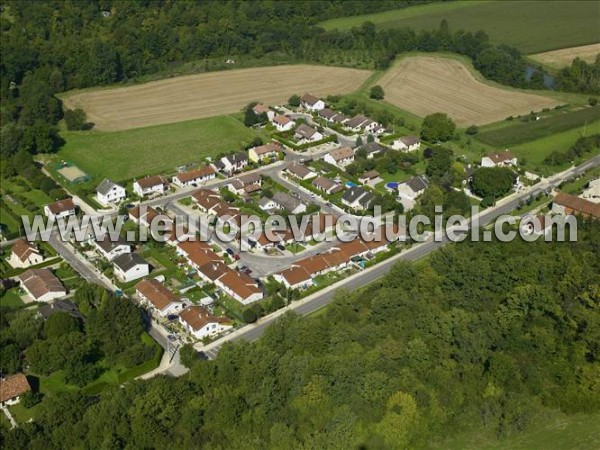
(236, 257)
(281, 247)
(229, 252)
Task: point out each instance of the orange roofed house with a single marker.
(150, 185)
(24, 254)
(160, 299)
(11, 389)
(42, 285)
(571, 204)
(200, 323)
(60, 209)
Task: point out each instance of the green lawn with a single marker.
(559, 431)
(525, 24)
(122, 155)
(11, 299)
(519, 132)
(536, 151)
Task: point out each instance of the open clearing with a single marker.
(209, 94)
(425, 85)
(523, 24)
(564, 57)
(122, 155)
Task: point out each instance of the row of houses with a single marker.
(196, 320)
(301, 274)
(212, 269)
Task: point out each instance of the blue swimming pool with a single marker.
(392, 185)
(350, 184)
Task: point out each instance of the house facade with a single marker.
(194, 177)
(150, 186)
(311, 103)
(60, 209)
(130, 266)
(262, 152)
(407, 143)
(200, 323)
(24, 254)
(42, 285)
(158, 298)
(109, 193)
(500, 159)
(234, 163)
(283, 123)
(340, 157)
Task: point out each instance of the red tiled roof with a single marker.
(41, 281)
(152, 181)
(240, 283)
(61, 206)
(198, 316)
(578, 205)
(13, 387)
(156, 293)
(22, 248)
(184, 177)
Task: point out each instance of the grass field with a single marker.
(428, 84)
(122, 155)
(564, 57)
(520, 132)
(523, 24)
(208, 95)
(536, 151)
(558, 431)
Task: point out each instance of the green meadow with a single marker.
(525, 24)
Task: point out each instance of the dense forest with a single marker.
(482, 336)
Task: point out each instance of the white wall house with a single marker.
(407, 143)
(312, 103)
(194, 177)
(60, 209)
(200, 323)
(234, 163)
(109, 193)
(24, 254)
(158, 298)
(12, 388)
(340, 157)
(283, 123)
(42, 285)
(110, 249)
(240, 286)
(130, 266)
(500, 159)
(150, 185)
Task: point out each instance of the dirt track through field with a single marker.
(565, 56)
(210, 94)
(424, 85)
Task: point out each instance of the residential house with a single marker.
(239, 286)
(326, 185)
(570, 204)
(373, 148)
(150, 186)
(130, 266)
(412, 188)
(262, 152)
(24, 254)
(287, 202)
(357, 198)
(304, 134)
(311, 103)
(370, 178)
(212, 271)
(62, 306)
(143, 215)
(283, 123)
(355, 124)
(235, 162)
(60, 209)
(259, 109)
(327, 114)
(206, 200)
(157, 297)
(301, 172)
(246, 184)
(294, 277)
(42, 285)
(267, 204)
(339, 119)
(200, 323)
(12, 388)
(197, 253)
(109, 193)
(592, 192)
(340, 157)
(109, 248)
(194, 177)
(370, 126)
(407, 143)
(500, 159)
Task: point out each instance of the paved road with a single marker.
(322, 298)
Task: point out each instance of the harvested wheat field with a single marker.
(425, 85)
(564, 56)
(209, 94)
